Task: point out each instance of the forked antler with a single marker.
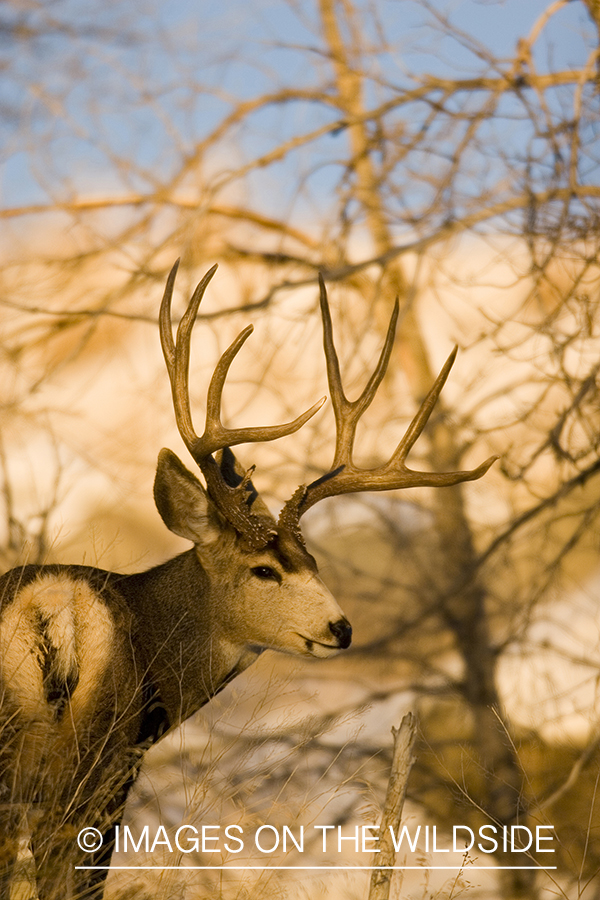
(345, 477)
(232, 501)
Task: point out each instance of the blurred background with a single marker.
(444, 153)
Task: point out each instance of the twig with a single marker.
(402, 761)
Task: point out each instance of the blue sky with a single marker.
(160, 75)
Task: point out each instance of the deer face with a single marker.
(288, 604)
(262, 598)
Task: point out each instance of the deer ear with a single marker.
(183, 503)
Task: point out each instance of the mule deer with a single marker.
(96, 666)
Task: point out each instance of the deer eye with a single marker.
(266, 572)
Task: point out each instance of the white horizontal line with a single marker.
(465, 868)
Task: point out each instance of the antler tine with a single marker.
(347, 413)
(344, 477)
(217, 382)
(376, 378)
(164, 321)
(177, 354)
(216, 435)
(334, 375)
(165, 327)
(424, 411)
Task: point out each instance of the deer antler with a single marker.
(345, 477)
(233, 502)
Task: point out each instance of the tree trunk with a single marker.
(461, 593)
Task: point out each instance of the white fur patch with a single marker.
(76, 622)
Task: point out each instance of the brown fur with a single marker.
(95, 666)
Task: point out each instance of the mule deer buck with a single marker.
(96, 666)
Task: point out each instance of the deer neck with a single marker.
(172, 604)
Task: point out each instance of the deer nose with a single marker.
(342, 632)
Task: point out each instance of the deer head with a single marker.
(283, 604)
